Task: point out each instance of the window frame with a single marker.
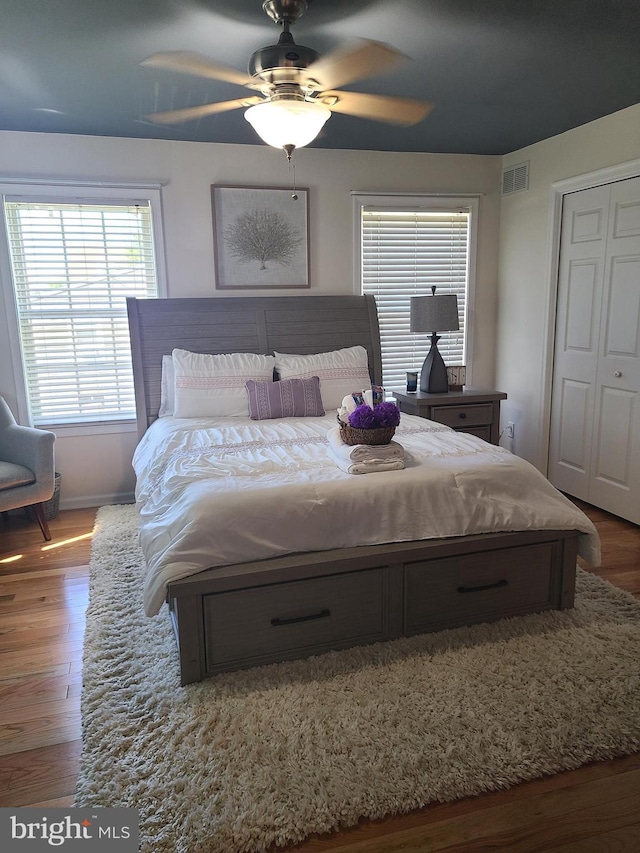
(425, 201)
(70, 193)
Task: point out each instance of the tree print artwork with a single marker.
(262, 235)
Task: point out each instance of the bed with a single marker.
(258, 543)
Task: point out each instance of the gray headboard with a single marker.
(294, 324)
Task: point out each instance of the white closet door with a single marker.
(580, 283)
(595, 422)
(615, 460)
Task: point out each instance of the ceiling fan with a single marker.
(297, 87)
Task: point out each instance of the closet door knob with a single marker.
(617, 374)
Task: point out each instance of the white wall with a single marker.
(96, 469)
(525, 290)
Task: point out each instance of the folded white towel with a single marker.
(349, 403)
(364, 467)
(343, 414)
(363, 452)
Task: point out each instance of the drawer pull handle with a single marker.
(321, 615)
(462, 415)
(495, 585)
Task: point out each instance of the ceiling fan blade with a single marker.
(191, 113)
(188, 62)
(353, 63)
(401, 111)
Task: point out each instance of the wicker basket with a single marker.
(380, 435)
(51, 507)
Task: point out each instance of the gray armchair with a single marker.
(27, 475)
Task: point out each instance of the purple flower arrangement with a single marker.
(382, 415)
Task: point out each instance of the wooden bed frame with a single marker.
(291, 607)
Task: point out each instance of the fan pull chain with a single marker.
(292, 172)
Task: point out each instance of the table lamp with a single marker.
(434, 314)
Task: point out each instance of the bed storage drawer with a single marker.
(288, 620)
(479, 587)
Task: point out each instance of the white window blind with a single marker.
(404, 253)
(73, 265)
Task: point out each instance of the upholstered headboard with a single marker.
(292, 324)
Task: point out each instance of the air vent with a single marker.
(515, 179)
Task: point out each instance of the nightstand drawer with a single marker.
(463, 417)
(483, 432)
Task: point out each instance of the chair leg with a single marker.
(42, 521)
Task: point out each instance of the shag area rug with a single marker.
(270, 755)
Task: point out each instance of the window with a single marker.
(73, 263)
(407, 245)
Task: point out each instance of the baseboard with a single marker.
(86, 501)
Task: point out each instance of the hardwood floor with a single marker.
(43, 596)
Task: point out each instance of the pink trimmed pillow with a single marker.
(341, 372)
(288, 398)
(213, 386)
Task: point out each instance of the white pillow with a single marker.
(167, 388)
(341, 372)
(215, 385)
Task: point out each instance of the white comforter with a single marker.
(218, 492)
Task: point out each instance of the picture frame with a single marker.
(457, 377)
(261, 237)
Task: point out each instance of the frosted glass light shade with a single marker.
(281, 123)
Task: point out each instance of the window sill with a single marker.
(99, 428)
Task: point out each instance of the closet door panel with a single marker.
(622, 334)
(615, 434)
(573, 453)
(615, 480)
(581, 273)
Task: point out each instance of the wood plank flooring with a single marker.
(43, 597)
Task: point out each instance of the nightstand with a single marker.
(472, 410)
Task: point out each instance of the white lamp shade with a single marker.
(434, 313)
(281, 123)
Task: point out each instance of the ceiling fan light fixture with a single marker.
(286, 123)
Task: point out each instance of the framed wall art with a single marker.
(261, 237)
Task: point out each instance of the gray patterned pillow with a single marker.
(288, 398)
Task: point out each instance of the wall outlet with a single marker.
(510, 430)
